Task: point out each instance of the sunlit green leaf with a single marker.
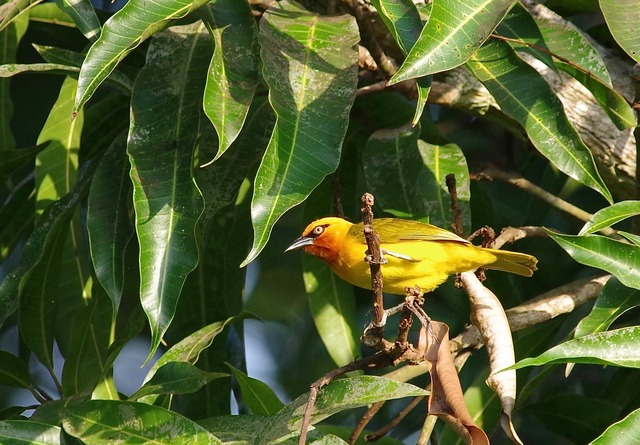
(620, 347)
(165, 119)
(102, 422)
(611, 215)
(22, 432)
(176, 378)
(403, 21)
(617, 258)
(124, 31)
(567, 41)
(614, 300)
(453, 33)
(338, 396)
(521, 26)
(233, 73)
(332, 304)
(11, 10)
(257, 395)
(310, 67)
(50, 13)
(621, 17)
(624, 432)
(83, 15)
(524, 95)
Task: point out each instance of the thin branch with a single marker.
(526, 185)
(375, 260)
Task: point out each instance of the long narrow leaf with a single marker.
(165, 120)
(524, 96)
(233, 73)
(610, 215)
(403, 21)
(310, 67)
(617, 258)
(622, 17)
(620, 347)
(454, 31)
(84, 16)
(124, 31)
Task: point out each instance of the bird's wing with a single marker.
(391, 230)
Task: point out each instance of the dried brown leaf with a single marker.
(489, 317)
(446, 400)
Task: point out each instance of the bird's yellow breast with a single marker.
(433, 262)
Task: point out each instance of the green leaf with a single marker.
(407, 175)
(40, 244)
(13, 159)
(578, 58)
(624, 432)
(332, 305)
(123, 32)
(84, 363)
(108, 223)
(257, 395)
(523, 95)
(635, 239)
(453, 33)
(165, 119)
(338, 396)
(620, 347)
(403, 21)
(39, 298)
(393, 170)
(83, 15)
(9, 40)
(617, 258)
(14, 371)
(233, 73)
(102, 422)
(190, 348)
(176, 378)
(221, 181)
(310, 67)
(56, 165)
(21, 432)
(521, 26)
(611, 215)
(229, 429)
(12, 10)
(567, 41)
(622, 16)
(50, 13)
(613, 301)
(331, 300)
(61, 56)
(613, 104)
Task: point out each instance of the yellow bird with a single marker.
(414, 253)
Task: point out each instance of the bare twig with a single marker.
(375, 261)
(526, 185)
(395, 421)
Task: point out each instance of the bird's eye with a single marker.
(317, 230)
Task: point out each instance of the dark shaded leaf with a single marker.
(305, 87)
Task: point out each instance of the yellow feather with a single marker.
(417, 254)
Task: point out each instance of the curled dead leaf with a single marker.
(446, 400)
(489, 317)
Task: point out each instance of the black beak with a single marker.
(300, 243)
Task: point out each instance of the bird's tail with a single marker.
(514, 262)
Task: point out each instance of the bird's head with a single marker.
(323, 238)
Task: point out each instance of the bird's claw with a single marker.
(368, 258)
